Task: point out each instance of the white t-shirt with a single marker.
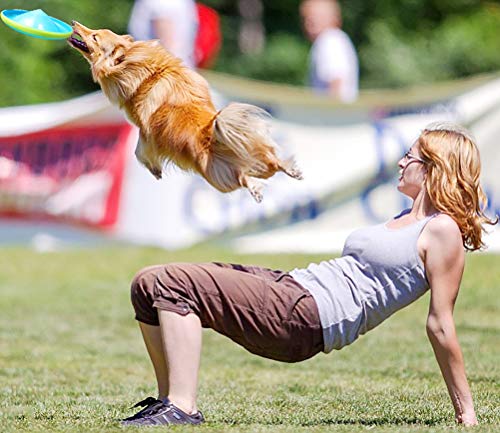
(333, 57)
(181, 13)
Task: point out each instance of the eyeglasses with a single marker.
(409, 157)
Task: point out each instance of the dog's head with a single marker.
(103, 49)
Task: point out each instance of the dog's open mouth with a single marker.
(76, 40)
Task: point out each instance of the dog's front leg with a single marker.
(142, 156)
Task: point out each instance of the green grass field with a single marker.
(71, 356)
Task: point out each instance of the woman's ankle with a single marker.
(187, 406)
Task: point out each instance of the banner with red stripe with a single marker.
(71, 174)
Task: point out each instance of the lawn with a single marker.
(72, 360)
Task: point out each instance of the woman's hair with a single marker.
(453, 169)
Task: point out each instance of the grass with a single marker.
(72, 360)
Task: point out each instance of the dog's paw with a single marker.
(257, 195)
(294, 172)
(255, 189)
(157, 173)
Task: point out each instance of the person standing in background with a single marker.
(333, 65)
(173, 22)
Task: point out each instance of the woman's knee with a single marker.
(142, 284)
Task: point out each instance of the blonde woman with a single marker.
(293, 316)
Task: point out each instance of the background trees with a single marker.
(400, 42)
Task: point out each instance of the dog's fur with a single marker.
(178, 122)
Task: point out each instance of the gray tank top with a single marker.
(379, 273)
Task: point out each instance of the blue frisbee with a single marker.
(36, 24)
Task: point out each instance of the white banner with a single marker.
(349, 168)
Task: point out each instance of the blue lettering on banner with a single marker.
(284, 205)
(240, 205)
(239, 209)
(445, 106)
(493, 207)
(196, 186)
(308, 211)
(304, 206)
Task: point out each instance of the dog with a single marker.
(171, 104)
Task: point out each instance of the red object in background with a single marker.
(209, 36)
(70, 174)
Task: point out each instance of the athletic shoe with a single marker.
(165, 413)
(148, 404)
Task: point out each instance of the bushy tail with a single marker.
(242, 132)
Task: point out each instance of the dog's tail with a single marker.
(244, 130)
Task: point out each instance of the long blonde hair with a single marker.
(452, 182)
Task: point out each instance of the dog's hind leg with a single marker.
(254, 186)
(290, 167)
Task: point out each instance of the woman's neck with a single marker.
(422, 206)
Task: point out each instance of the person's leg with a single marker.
(181, 336)
(142, 297)
(255, 307)
(174, 347)
(152, 337)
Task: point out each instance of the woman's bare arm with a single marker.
(164, 29)
(444, 263)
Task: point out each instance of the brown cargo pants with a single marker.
(265, 311)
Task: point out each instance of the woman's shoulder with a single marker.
(443, 223)
(442, 245)
(443, 229)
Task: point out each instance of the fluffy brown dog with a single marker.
(178, 122)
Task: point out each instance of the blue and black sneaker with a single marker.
(159, 412)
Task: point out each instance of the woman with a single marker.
(293, 316)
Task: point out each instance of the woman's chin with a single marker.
(408, 192)
(403, 190)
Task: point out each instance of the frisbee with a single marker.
(36, 24)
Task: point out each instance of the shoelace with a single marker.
(146, 402)
(151, 405)
(154, 409)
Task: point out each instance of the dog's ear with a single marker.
(118, 56)
(129, 38)
(99, 70)
(107, 65)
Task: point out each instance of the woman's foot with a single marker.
(163, 412)
(148, 404)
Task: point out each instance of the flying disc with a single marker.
(36, 24)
